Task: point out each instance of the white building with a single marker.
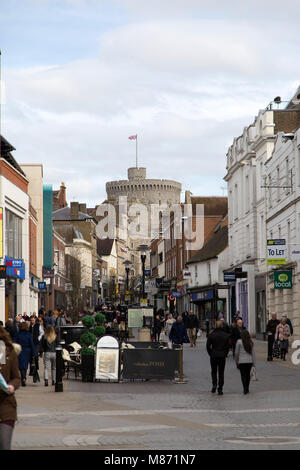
(246, 179)
(283, 222)
(14, 246)
(208, 292)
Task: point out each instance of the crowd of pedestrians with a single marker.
(25, 339)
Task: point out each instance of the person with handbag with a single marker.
(245, 358)
(9, 369)
(49, 343)
(282, 334)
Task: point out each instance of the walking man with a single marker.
(217, 347)
(271, 330)
(192, 326)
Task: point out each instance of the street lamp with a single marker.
(127, 263)
(143, 249)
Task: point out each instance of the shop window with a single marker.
(13, 235)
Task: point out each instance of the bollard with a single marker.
(59, 363)
(180, 380)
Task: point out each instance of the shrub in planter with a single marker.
(88, 322)
(100, 319)
(99, 331)
(88, 339)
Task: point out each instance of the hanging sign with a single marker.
(276, 252)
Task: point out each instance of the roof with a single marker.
(104, 246)
(213, 205)
(6, 148)
(68, 232)
(216, 244)
(65, 214)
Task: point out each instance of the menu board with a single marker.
(135, 316)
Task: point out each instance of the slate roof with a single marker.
(65, 214)
(212, 205)
(216, 244)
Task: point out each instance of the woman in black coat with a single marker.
(24, 338)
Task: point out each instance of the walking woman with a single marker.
(9, 369)
(245, 358)
(282, 334)
(49, 343)
(24, 338)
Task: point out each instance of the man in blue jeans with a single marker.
(217, 346)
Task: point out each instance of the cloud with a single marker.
(187, 86)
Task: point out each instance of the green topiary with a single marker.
(100, 318)
(87, 351)
(88, 322)
(99, 331)
(87, 339)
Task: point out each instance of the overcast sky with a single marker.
(81, 76)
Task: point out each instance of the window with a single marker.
(278, 183)
(161, 257)
(247, 195)
(13, 235)
(262, 238)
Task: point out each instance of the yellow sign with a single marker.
(1, 232)
(274, 262)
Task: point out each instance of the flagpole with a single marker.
(136, 153)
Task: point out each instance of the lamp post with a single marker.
(127, 263)
(143, 249)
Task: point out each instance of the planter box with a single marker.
(87, 368)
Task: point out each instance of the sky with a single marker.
(81, 76)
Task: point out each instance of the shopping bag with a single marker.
(199, 333)
(276, 349)
(253, 374)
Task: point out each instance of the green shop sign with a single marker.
(283, 280)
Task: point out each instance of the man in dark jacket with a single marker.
(271, 330)
(178, 333)
(192, 326)
(217, 347)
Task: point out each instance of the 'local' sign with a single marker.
(276, 251)
(283, 280)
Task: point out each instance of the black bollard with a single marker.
(59, 363)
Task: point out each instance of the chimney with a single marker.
(74, 210)
(62, 196)
(82, 208)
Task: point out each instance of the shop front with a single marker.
(15, 274)
(209, 304)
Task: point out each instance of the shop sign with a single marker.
(283, 280)
(42, 286)
(48, 273)
(276, 251)
(206, 295)
(187, 274)
(15, 268)
(176, 294)
(229, 277)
